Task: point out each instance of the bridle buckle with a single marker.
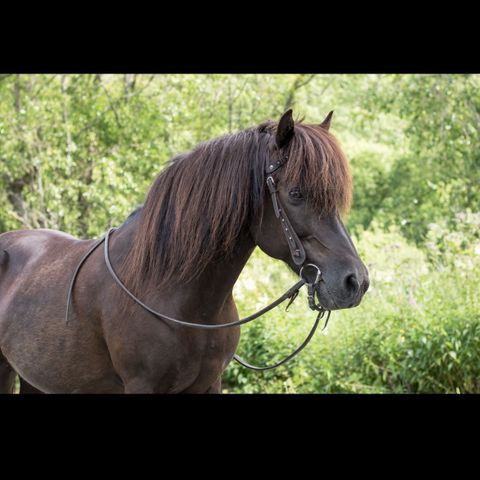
(311, 287)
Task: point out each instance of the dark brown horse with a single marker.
(181, 253)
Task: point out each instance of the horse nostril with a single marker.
(352, 283)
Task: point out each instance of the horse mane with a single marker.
(199, 204)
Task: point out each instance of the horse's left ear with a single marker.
(285, 129)
(326, 123)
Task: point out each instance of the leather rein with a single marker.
(297, 253)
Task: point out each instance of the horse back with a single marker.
(35, 260)
(29, 246)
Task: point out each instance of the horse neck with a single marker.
(205, 294)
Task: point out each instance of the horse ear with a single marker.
(285, 129)
(326, 123)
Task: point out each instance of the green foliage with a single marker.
(439, 174)
(78, 152)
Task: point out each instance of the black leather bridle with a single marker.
(298, 256)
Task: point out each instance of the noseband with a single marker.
(298, 256)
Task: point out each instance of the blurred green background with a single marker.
(78, 153)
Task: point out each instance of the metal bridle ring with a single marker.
(317, 278)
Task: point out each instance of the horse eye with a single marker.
(296, 194)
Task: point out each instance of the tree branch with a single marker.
(111, 102)
(297, 84)
(114, 102)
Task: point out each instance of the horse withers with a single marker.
(181, 253)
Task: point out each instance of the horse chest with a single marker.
(203, 361)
